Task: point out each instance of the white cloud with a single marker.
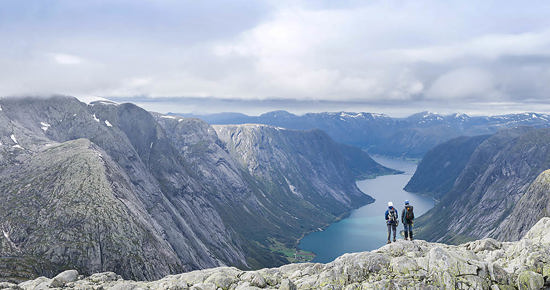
(376, 51)
(66, 59)
(463, 83)
(486, 47)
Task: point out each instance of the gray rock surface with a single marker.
(302, 162)
(481, 264)
(64, 277)
(531, 207)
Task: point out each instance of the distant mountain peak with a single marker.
(277, 114)
(425, 116)
(104, 102)
(461, 116)
(251, 126)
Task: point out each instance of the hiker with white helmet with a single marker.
(391, 220)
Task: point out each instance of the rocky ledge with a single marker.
(482, 264)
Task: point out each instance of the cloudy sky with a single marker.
(396, 57)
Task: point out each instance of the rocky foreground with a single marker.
(482, 264)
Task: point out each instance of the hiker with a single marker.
(407, 218)
(391, 220)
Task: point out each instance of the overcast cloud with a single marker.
(394, 56)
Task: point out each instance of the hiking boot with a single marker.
(389, 242)
(394, 240)
(406, 236)
(411, 235)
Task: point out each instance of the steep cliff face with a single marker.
(303, 163)
(532, 206)
(438, 170)
(482, 264)
(496, 176)
(113, 187)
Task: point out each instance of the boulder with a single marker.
(530, 280)
(64, 277)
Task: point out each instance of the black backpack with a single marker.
(409, 214)
(392, 215)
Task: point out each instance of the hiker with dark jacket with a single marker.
(391, 220)
(407, 218)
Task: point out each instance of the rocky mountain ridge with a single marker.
(482, 264)
(488, 187)
(109, 186)
(381, 134)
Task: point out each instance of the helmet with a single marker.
(390, 203)
(406, 202)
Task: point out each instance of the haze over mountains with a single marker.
(113, 187)
(380, 134)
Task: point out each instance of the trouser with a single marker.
(408, 230)
(390, 228)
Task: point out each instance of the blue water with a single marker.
(365, 229)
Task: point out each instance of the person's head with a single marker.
(406, 202)
(390, 204)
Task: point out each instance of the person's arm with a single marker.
(386, 215)
(403, 215)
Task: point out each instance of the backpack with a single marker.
(392, 216)
(409, 214)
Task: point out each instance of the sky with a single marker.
(188, 56)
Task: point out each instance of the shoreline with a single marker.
(363, 232)
(344, 215)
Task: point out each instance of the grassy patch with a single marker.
(293, 255)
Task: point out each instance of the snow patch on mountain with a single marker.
(350, 115)
(293, 188)
(44, 126)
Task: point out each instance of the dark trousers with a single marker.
(390, 228)
(408, 230)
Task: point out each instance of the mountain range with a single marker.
(112, 187)
(381, 134)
